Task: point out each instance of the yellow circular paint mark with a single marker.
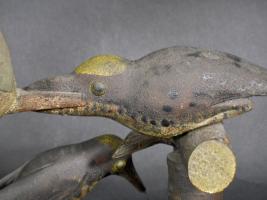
(102, 65)
(211, 167)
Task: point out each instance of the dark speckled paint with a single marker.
(190, 81)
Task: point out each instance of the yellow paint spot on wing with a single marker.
(113, 141)
(102, 65)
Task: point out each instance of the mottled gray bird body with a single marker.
(165, 93)
(67, 172)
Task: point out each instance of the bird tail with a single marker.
(12, 177)
(254, 79)
(130, 174)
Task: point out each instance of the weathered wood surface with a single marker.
(164, 94)
(7, 80)
(210, 162)
(45, 100)
(180, 187)
(202, 165)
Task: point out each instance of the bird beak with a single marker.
(14, 100)
(7, 80)
(132, 176)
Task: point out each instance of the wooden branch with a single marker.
(180, 187)
(7, 102)
(204, 161)
(7, 80)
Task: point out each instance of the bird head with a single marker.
(97, 81)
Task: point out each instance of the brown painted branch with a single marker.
(202, 165)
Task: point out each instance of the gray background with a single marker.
(48, 38)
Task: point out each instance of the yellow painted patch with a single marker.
(113, 141)
(102, 65)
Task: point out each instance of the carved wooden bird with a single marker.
(164, 94)
(68, 172)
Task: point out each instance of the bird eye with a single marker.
(118, 166)
(98, 88)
